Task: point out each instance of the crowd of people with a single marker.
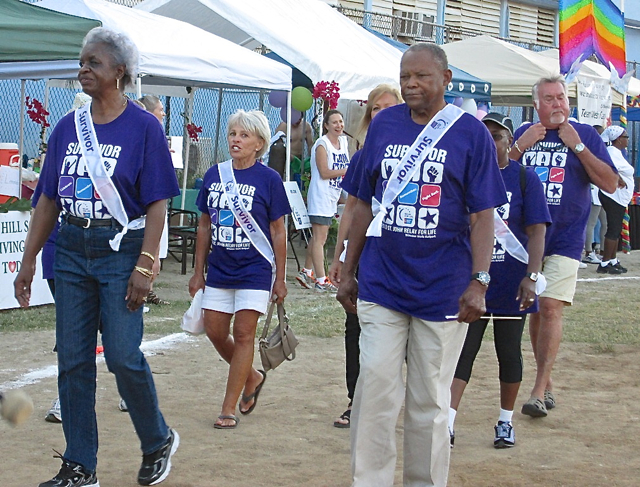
(429, 185)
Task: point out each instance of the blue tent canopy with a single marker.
(462, 84)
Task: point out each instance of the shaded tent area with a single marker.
(31, 33)
(512, 70)
(462, 85)
(308, 34)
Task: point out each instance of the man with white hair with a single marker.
(567, 156)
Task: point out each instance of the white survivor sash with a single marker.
(511, 244)
(411, 162)
(245, 219)
(100, 178)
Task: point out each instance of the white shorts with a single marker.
(233, 300)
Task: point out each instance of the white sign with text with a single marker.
(13, 232)
(594, 100)
(298, 209)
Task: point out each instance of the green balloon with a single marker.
(301, 99)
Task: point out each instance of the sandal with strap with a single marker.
(153, 298)
(549, 399)
(346, 416)
(535, 408)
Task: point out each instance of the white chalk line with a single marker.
(149, 347)
(596, 279)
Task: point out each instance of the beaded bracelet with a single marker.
(145, 272)
(147, 254)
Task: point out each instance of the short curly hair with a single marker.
(121, 48)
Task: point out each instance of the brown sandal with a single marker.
(153, 298)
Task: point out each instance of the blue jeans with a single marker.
(91, 284)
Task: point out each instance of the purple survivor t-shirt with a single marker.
(566, 186)
(520, 212)
(234, 263)
(135, 152)
(351, 179)
(421, 264)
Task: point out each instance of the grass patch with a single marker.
(29, 319)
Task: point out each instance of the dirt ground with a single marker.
(592, 438)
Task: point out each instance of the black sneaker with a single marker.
(608, 269)
(620, 268)
(156, 466)
(72, 475)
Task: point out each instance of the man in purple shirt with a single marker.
(423, 271)
(567, 156)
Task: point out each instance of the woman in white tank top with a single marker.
(329, 162)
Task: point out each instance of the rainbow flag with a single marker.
(591, 27)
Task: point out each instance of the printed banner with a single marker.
(594, 100)
(298, 210)
(13, 232)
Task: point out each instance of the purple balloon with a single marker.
(295, 115)
(458, 101)
(278, 98)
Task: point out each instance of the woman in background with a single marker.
(615, 204)
(329, 162)
(381, 97)
(152, 104)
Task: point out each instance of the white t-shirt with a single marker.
(323, 195)
(622, 196)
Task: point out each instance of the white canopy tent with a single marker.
(174, 55)
(315, 38)
(512, 70)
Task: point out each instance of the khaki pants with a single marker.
(432, 350)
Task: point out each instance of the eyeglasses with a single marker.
(623, 137)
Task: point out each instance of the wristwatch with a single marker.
(533, 276)
(578, 148)
(482, 277)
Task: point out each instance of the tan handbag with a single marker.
(281, 344)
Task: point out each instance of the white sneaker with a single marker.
(582, 265)
(592, 258)
(305, 280)
(53, 415)
(123, 406)
(326, 287)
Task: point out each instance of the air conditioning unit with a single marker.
(415, 25)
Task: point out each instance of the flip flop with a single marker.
(346, 416)
(229, 427)
(254, 395)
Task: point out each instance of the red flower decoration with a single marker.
(36, 112)
(193, 130)
(328, 91)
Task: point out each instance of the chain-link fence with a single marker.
(211, 110)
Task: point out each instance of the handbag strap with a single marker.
(282, 320)
(267, 322)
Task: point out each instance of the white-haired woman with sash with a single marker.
(242, 247)
(109, 172)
